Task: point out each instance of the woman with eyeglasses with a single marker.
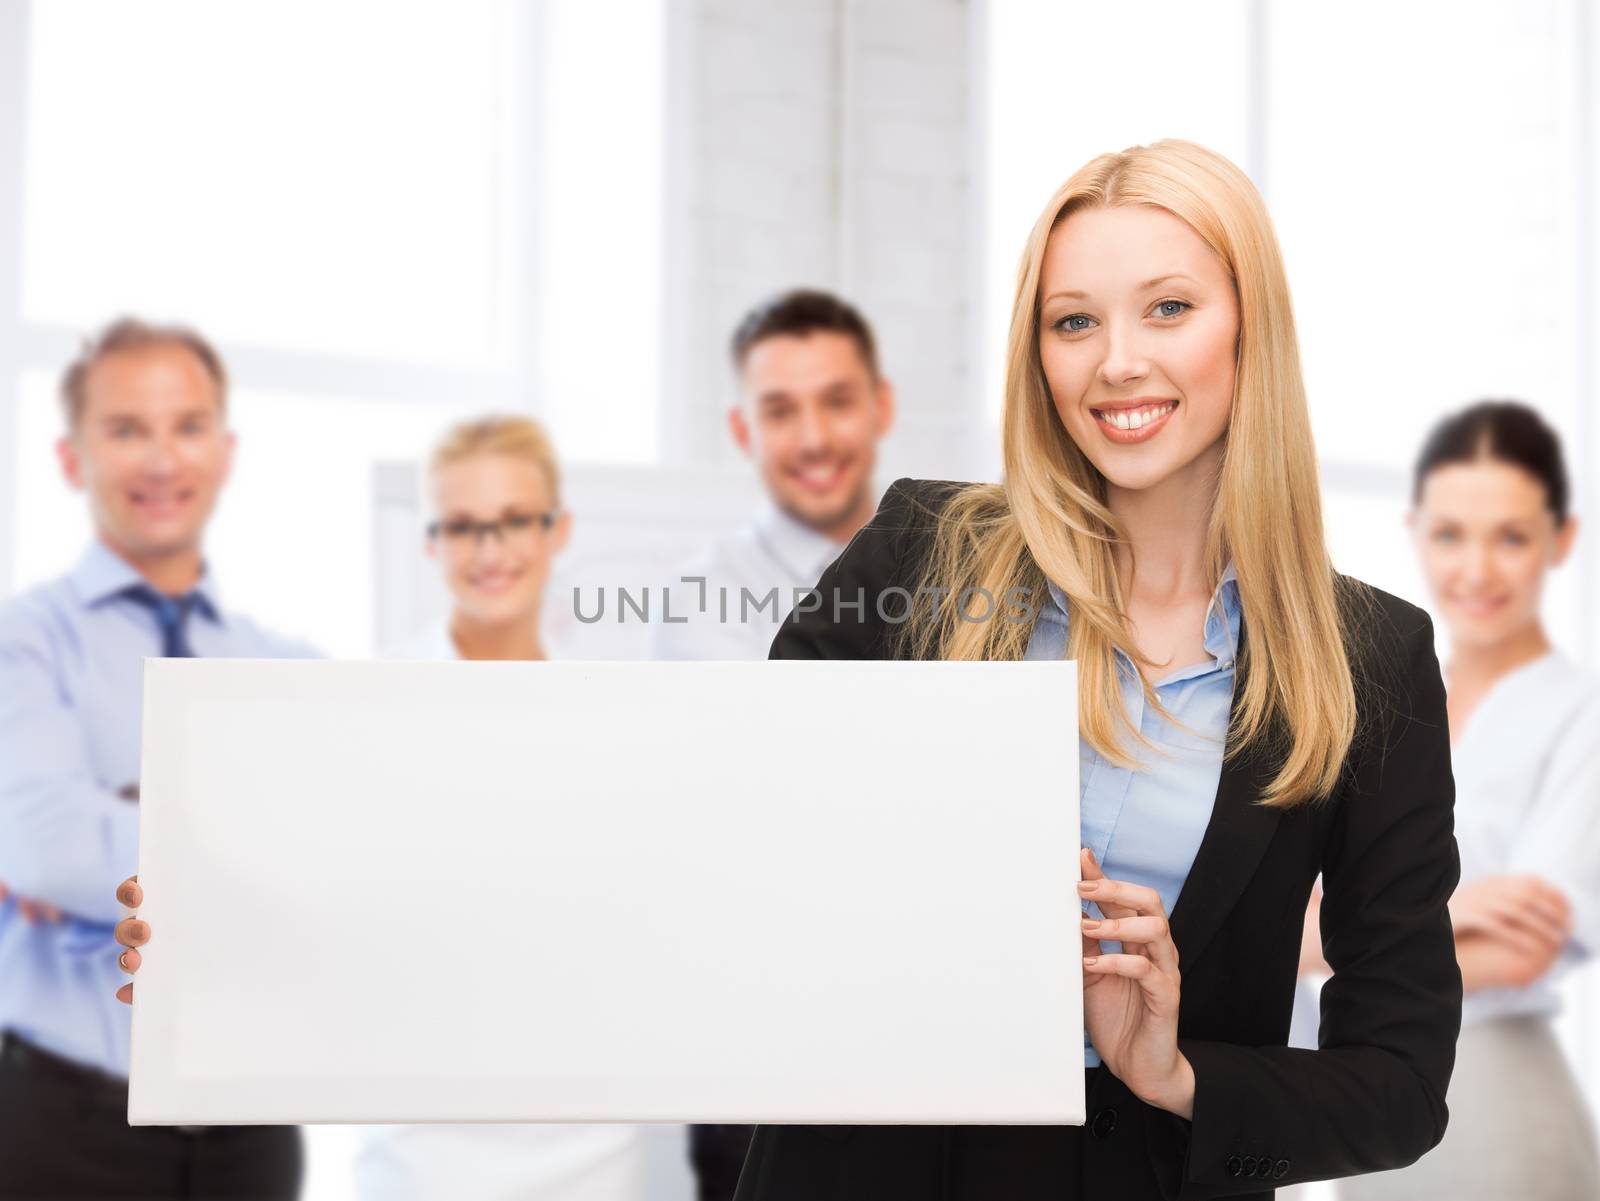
(497, 527)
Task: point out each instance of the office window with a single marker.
(388, 216)
(1428, 213)
(315, 177)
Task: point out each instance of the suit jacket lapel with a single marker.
(1230, 850)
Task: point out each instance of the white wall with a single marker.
(830, 144)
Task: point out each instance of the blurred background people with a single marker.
(1490, 521)
(497, 525)
(147, 443)
(812, 406)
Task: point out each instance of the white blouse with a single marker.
(497, 1161)
(1527, 769)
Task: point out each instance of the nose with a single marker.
(1124, 361)
(161, 456)
(1477, 567)
(489, 540)
(813, 429)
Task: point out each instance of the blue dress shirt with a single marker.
(72, 657)
(1144, 825)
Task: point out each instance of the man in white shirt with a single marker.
(812, 406)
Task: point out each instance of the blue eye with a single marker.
(1075, 323)
(1171, 308)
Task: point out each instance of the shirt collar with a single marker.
(1223, 614)
(803, 551)
(1223, 617)
(101, 575)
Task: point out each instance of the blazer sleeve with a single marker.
(1372, 1097)
(865, 594)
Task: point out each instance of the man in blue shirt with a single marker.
(148, 444)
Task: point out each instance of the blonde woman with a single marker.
(496, 528)
(1248, 718)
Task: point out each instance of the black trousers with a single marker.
(717, 1154)
(64, 1134)
(953, 1163)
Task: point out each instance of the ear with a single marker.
(887, 409)
(562, 532)
(232, 442)
(1565, 537)
(71, 461)
(739, 427)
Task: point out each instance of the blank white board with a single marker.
(775, 892)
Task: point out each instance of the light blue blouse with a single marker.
(1144, 825)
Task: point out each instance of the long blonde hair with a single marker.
(1049, 520)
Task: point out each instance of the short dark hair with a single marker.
(131, 334)
(799, 312)
(1505, 430)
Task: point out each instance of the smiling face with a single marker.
(151, 449)
(1486, 537)
(1138, 330)
(496, 579)
(811, 416)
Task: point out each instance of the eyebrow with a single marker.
(182, 415)
(1144, 287)
(831, 388)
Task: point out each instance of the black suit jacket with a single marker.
(1264, 1115)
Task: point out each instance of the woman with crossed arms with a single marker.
(1248, 719)
(1490, 520)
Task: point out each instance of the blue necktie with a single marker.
(172, 615)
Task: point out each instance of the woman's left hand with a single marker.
(1130, 1000)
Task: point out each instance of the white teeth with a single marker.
(1134, 419)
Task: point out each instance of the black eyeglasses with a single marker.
(463, 531)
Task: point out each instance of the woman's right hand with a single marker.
(131, 933)
(1523, 911)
